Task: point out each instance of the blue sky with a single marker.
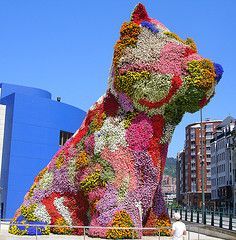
(66, 46)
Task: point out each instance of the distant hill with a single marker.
(170, 168)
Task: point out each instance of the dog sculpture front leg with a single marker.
(157, 216)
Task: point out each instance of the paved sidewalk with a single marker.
(4, 235)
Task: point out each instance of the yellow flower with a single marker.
(188, 41)
(125, 83)
(61, 230)
(92, 181)
(16, 231)
(128, 37)
(201, 74)
(28, 212)
(121, 219)
(59, 161)
(82, 160)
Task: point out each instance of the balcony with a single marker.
(208, 151)
(192, 131)
(209, 137)
(213, 140)
(220, 136)
(209, 130)
(228, 133)
(193, 161)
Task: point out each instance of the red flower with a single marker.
(140, 14)
(189, 51)
(111, 105)
(203, 102)
(77, 205)
(51, 209)
(158, 126)
(154, 152)
(82, 132)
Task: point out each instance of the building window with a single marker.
(2, 209)
(208, 143)
(192, 137)
(64, 136)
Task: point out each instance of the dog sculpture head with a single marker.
(157, 72)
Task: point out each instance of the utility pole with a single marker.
(202, 172)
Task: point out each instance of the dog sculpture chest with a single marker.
(110, 172)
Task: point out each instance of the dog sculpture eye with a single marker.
(152, 27)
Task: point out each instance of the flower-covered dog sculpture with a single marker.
(109, 173)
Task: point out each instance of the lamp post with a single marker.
(202, 171)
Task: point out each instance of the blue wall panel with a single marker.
(36, 125)
(8, 89)
(6, 148)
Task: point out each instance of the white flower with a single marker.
(148, 48)
(72, 170)
(41, 213)
(46, 180)
(111, 135)
(62, 209)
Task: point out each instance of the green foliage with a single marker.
(108, 173)
(91, 181)
(170, 168)
(28, 212)
(124, 83)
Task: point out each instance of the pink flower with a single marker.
(139, 133)
(121, 159)
(96, 194)
(171, 59)
(89, 144)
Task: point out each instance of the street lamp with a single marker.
(202, 171)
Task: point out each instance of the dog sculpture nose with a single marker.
(218, 71)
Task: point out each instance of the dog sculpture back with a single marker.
(110, 172)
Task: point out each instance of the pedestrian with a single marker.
(178, 228)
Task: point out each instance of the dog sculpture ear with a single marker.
(139, 14)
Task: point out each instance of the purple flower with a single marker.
(150, 26)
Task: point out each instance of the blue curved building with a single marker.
(32, 128)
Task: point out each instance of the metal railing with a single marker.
(193, 232)
(223, 210)
(212, 218)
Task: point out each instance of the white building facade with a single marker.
(222, 165)
(233, 154)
